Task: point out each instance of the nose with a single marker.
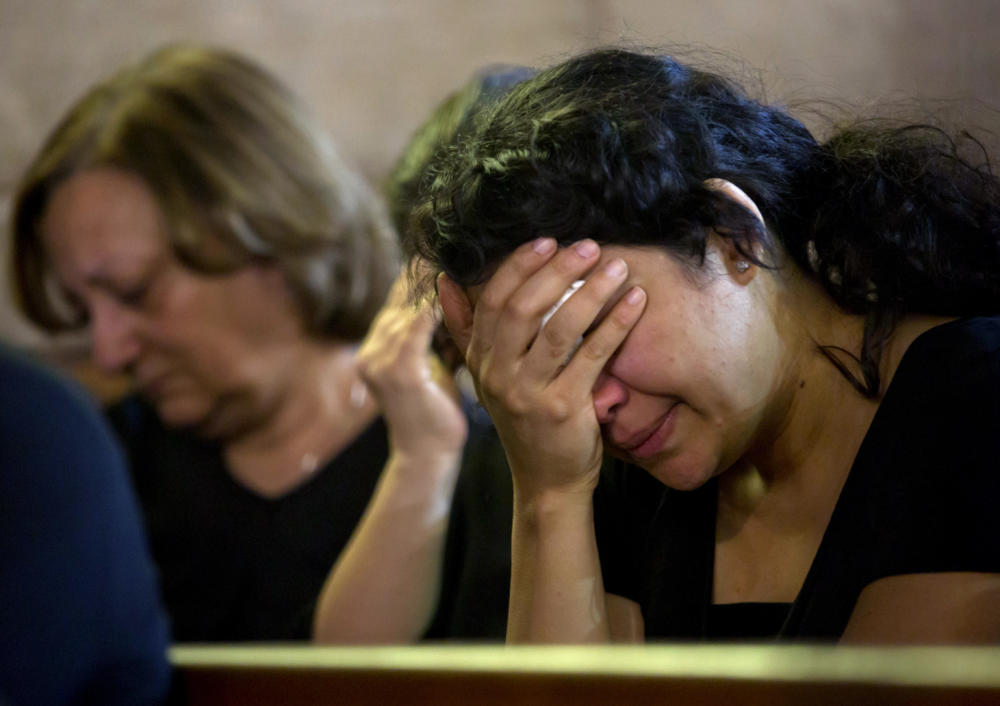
(609, 394)
(113, 335)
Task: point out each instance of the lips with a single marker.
(650, 441)
(151, 385)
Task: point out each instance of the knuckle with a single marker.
(568, 262)
(595, 348)
(517, 405)
(367, 371)
(521, 307)
(555, 338)
(623, 318)
(525, 258)
(493, 385)
(558, 409)
(491, 299)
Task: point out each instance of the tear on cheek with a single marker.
(555, 307)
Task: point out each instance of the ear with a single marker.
(457, 310)
(731, 191)
(737, 264)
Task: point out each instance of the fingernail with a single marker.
(586, 248)
(616, 268)
(543, 246)
(635, 295)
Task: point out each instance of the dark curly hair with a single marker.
(617, 146)
(450, 119)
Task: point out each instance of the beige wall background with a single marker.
(373, 69)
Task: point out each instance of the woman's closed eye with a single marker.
(135, 295)
(134, 292)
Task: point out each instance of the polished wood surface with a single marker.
(578, 676)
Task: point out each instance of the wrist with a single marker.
(427, 466)
(540, 508)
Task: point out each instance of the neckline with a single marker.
(902, 372)
(323, 470)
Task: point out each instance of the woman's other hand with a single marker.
(416, 393)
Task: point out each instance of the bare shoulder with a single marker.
(932, 608)
(624, 619)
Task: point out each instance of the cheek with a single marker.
(177, 300)
(670, 362)
(643, 361)
(261, 307)
(192, 329)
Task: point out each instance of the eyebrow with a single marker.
(138, 269)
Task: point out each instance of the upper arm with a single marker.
(624, 619)
(941, 608)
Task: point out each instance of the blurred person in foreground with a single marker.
(81, 620)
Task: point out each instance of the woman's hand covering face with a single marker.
(535, 387)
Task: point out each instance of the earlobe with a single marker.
(741, 266)
(736, 263)
(457, 310)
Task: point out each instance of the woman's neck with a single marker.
(323, 407)
(776, 503)
(818, 419)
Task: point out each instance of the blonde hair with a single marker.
(242, 173)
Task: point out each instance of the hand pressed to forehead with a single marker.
(520, 302)
(536, 343)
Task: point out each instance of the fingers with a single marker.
(602, 342)
(523, 289)
(581, 312)
(395, 353)
(499, 325)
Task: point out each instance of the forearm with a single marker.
(384, 586)
(557, 593)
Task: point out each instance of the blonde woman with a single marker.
(193, 214)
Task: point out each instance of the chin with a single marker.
(680, 473)
(180, 413)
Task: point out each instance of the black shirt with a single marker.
(236, 566)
